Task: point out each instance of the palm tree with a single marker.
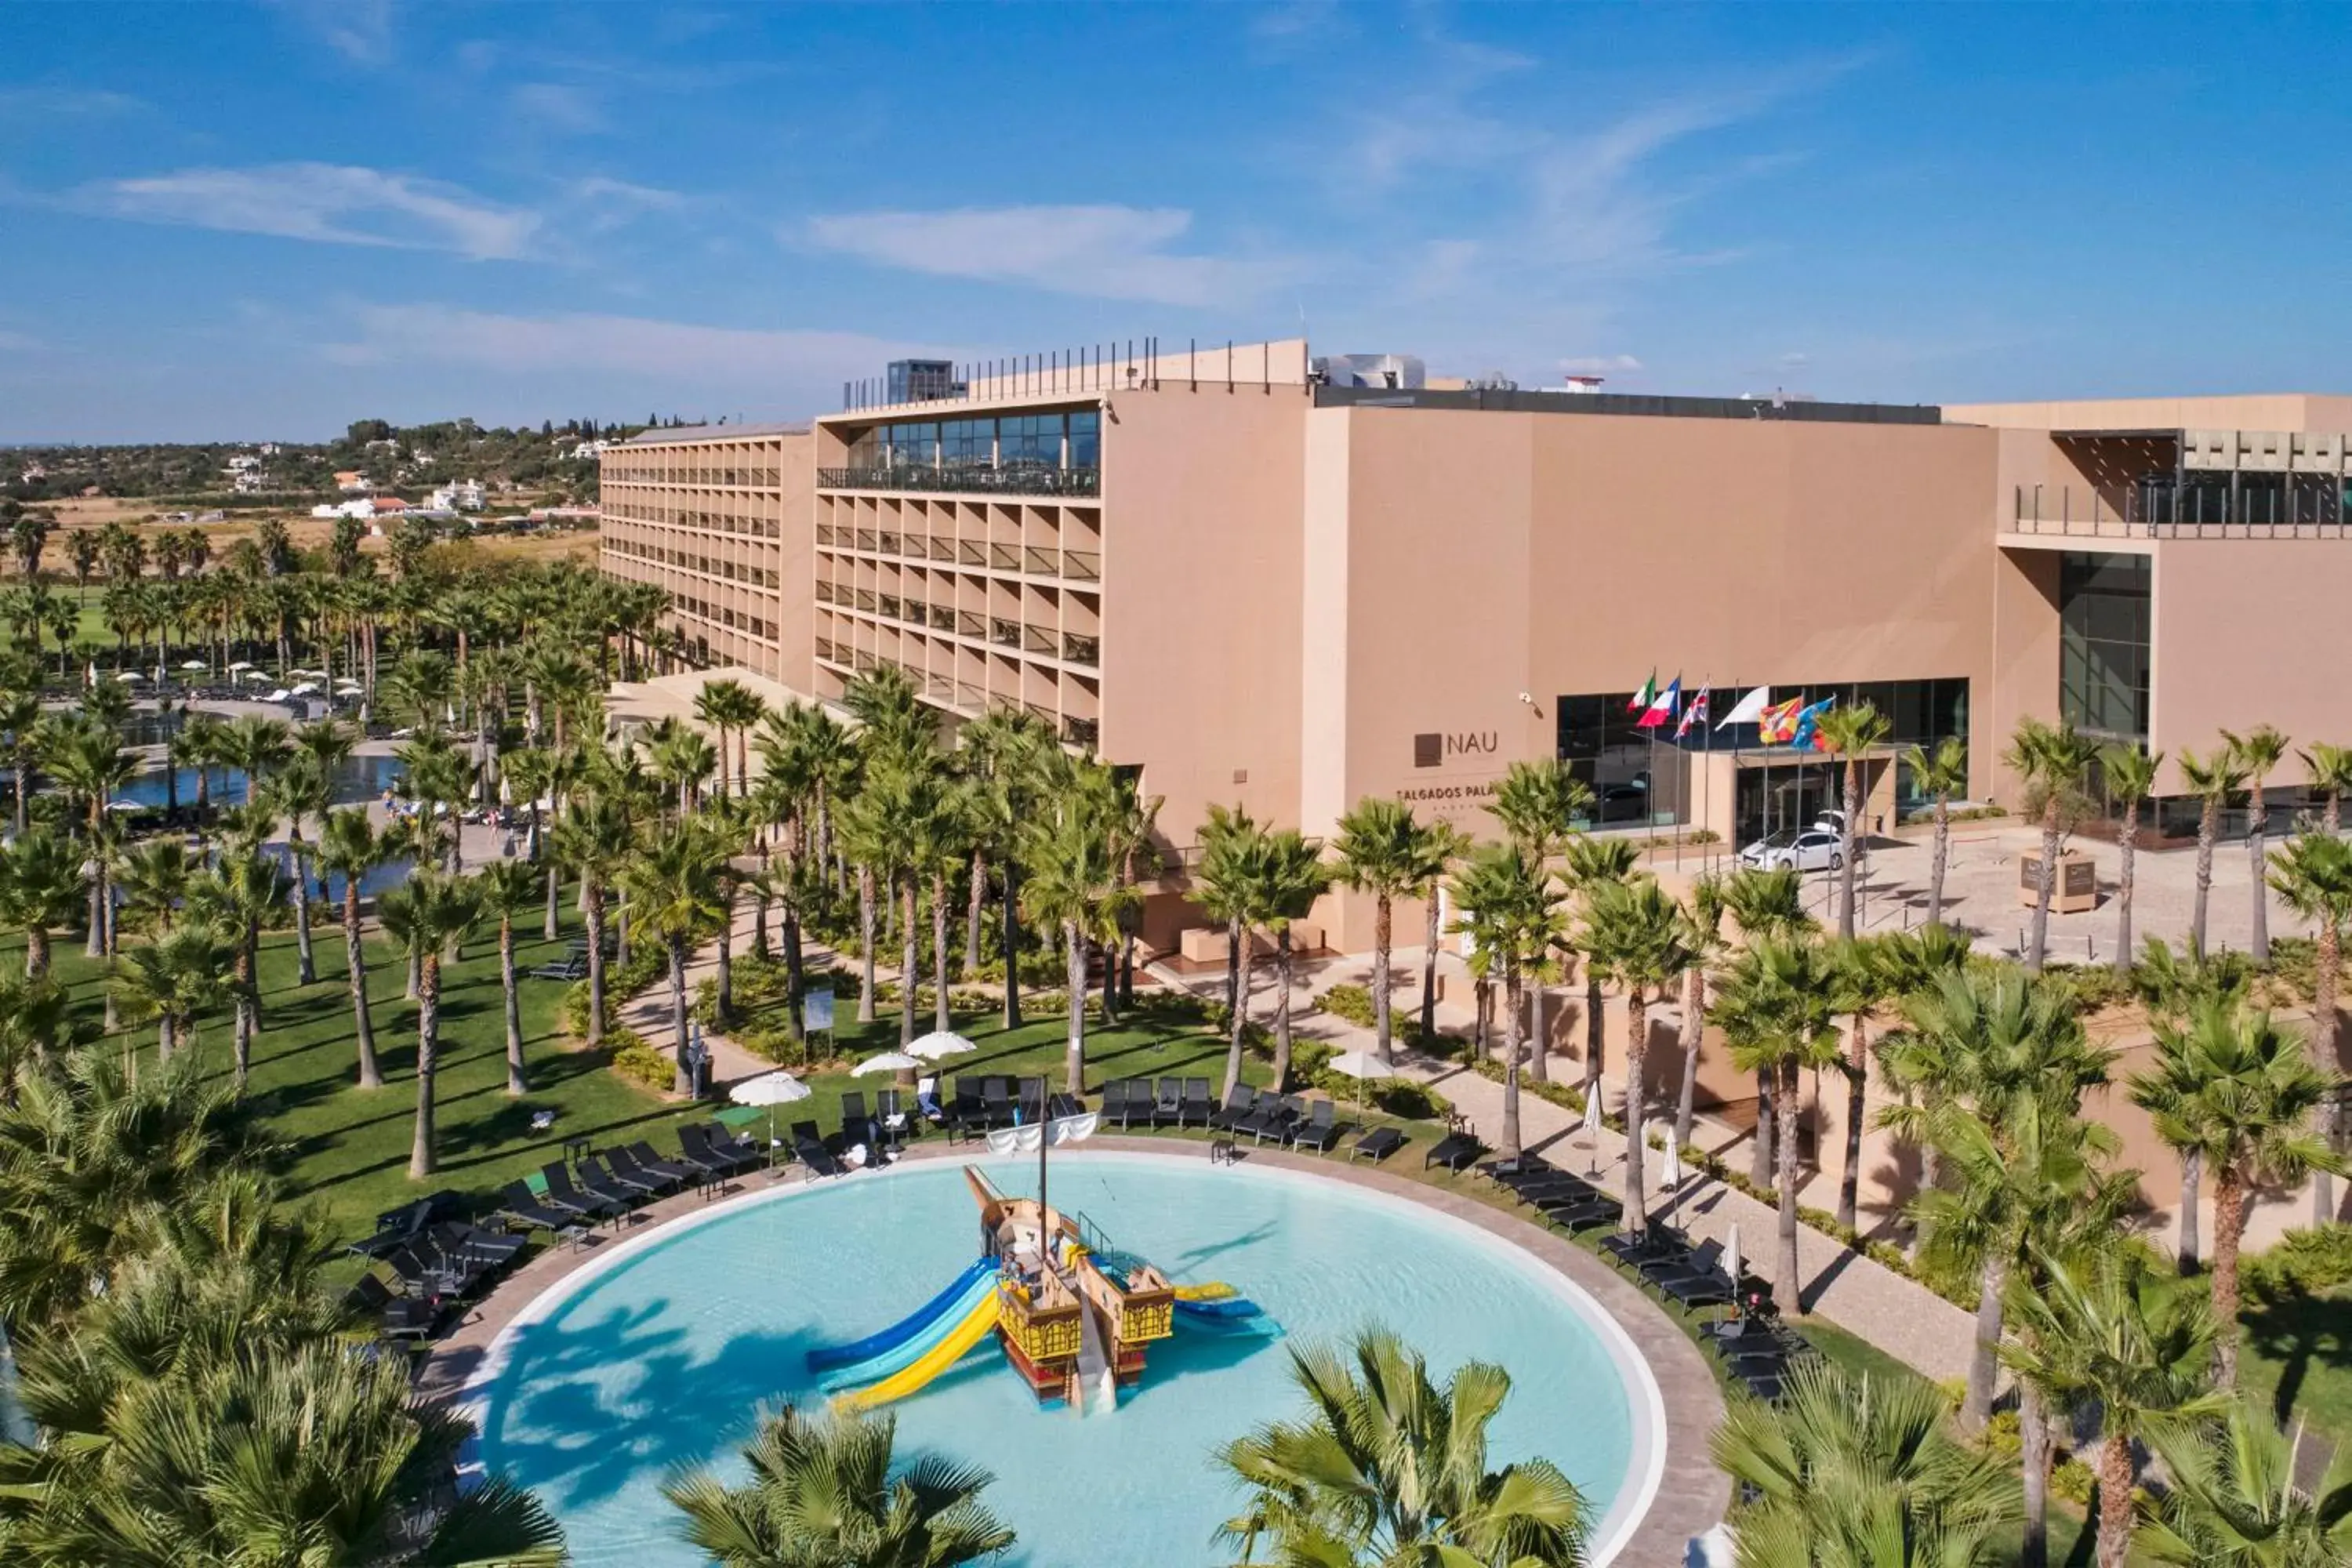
(509, 889)
(2314, 874)
(1855, 1470)
(1387, 1466)
(40, 892)
(2258, 750)
(1775, 1006)
(2238, 1092)
(1224, 886)
(20, 719)
(2053, 760)
(732, 707)
(1291, 876)
(1509, 908)
(2230, 1501)
(1850, 732)
(1384, 852)
(2212, 779)
(1002, 753)
(172, 979)
(2130, 773)
(1761, 904)
(350, 848)
(1073, 882)
(90, 765)
(1590, 865)
(2328, 771)
(1864, 983)
(822, 1492)
(428, 914)
(1940, 775)
(1540, 805)
(596, 837)
(1638, 936)
(1999, 1060)
(1703, 917)
(236, 897)
(676, 897)
(2098, 1335)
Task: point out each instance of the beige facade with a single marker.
(1263, 590)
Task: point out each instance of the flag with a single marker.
(1776, 724)
(1748, 710)
(1664, 708)
(1809, 725)
(1694, 714)
(1641, 699)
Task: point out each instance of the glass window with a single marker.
(2102, 651)
(1085, 438)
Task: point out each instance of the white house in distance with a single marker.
(459, 495)
(353, 483)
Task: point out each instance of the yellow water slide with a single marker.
(950, 1349)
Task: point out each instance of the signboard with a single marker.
(817, 1009)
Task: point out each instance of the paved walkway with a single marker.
(1865, 1298)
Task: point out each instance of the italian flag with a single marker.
(1645, 697)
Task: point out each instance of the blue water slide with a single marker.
(906, 1329)
(886, 1363)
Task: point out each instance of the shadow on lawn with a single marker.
(2297, 1332)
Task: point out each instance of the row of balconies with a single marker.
(969, 697)
(1030, 559)
(966, 478)
(999, 631)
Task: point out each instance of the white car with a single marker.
(1797, 848)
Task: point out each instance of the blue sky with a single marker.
(226, 222)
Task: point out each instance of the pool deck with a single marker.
(1692, 1493)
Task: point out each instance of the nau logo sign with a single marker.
(1431, 750)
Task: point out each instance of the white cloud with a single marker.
(358, 30)
(1107, 251)
(672, 352)
(570, 110)
(334, 203)
(62, 102)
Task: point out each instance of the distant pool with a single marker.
(354, 779)
(656, 1356)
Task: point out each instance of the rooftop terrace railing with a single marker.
(2263, 506)
(976, 478)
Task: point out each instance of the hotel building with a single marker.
(1288, 582)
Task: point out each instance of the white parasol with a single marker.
(1360, 1065)
(196, 664)
(129, 675)
(302, 690)
(1670, 1169)
(242, 664)
(941, 1043)
(770, 1089)
(1732, 1263)
(888, 1061)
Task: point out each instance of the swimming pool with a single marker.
(655, 1356)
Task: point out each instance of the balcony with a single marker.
(1079, 649)
(973, 479)
(2259, 505)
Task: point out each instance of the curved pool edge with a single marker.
(1672, 1490)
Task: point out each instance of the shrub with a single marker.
(622, 981)
(2072, 1480)
(1407, 1097)
(2001, 1440)
(1350, 1002)
(2306, 1262)
(640, 1063)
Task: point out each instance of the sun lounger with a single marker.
(565, 969)
(399, 1317)
(595, 1179)
(892, 1125)
(1320, 1131)
(995, 1103)
(471, 1245)
(1267, 1119)
(562, 1195)
(1592, 1215)
(1238, 1104)
(1032, 1101)
(610, 1176)
(1167, 1105)
(722, 1139)
(1197, 1106)
(517, 1202)
(809, 1149)
(423, 1276)
(694, 1147)
(642, 1159)
(1453, 1150)
(1377, 1145)
(1692, 1291)
(1114, 1100)
(856, 1126)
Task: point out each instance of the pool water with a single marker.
(354, 779)
(657, 1358)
